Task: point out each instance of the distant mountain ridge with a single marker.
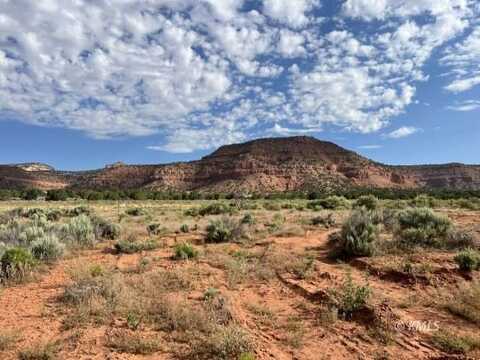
(263, 165)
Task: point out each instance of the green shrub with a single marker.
(193, 212)
(248, 219)
(215, 209)
(350, 298)
(16, 263)
(358, 236)
(326, 221)
(31, 233)
(470, 204)
(272, 206)
(226, 342)
(135, 212)
(47, 248)
(184, 228)
(329, 203)
(129, 246)
(77, 211)
(224, 230)
(422, 227)
(154, 229)
(424, 201)
(468, 260)
(185, 251)
(80, 231)
(107, 230)
(369, 202)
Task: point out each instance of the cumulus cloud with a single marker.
(200, 73)
(381, 9)
(292, 13)
(402, 132)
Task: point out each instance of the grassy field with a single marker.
(240, 279)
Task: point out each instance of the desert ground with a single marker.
(239, 279)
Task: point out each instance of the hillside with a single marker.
(276, 164)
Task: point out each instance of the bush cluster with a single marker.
(224, 230)
(422, 227)
(30, 236)
(468, 260)
(329, 203)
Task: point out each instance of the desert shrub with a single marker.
(80, 231)
(326, 221)
(7, 339)
(461, 239)
(424, 201)
(30, 233)
(184, 228)
(469, 204)
(16, 263)
(154, 229)
(248, 219)
(390, 218)
(350, 298)
(218, 208)
(185, 251)
(226, 342)
(130, 246)
(466, 302)
(329, 203)
(454, 344)
(224, 230)
(272, 206)
(358, 236)
(39, 352)
(303, 267)
(48, 248)
(133, 343)
(193, 212)
(10, 233)
(135, 211)
(105, 229)
(468, 260)
(369, 202)
(422, 227)
(77, 211)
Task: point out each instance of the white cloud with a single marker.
(464, 61)
(402, 132)
(290, 12)
(382, 9)
(200, 73)
(465, 106)
(291, 44)
(284, 131)
(462, 85)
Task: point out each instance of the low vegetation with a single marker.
(358, 237)
(421, 227)
(239, 278)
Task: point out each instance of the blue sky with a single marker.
(86, 83)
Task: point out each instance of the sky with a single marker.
(85, 83)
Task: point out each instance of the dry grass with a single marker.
(466, 302)
(134, 343)
(46, 351)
